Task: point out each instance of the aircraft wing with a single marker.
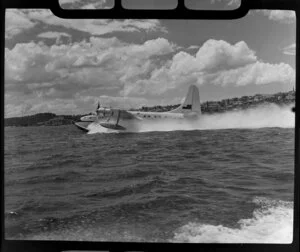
(124, 114)
(113, 122)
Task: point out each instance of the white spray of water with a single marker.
(272, 222)
(265, 116)
(97, 128)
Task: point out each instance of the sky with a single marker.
(66, 66)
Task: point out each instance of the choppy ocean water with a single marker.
(179, 185)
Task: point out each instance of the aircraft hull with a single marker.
(82, 125)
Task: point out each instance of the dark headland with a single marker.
(209, 107)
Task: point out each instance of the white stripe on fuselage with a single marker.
(142, 115)
(156, 115)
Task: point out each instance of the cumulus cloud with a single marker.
(216, 63)
(55, 35)
(257, 73)
(52, 34)
(212, 56)
(193, 47)
(95, 26)
(91, 4)
(32, 104)
(111, 67)
(234, 2)
(99, 63)
(228, 2)
(16, 22)
(102, 4)
(282, 16)
(26, 63)
(218, 53)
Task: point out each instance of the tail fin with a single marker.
(191, 103)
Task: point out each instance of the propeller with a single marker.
(98, 106)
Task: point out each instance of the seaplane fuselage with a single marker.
(119, 119)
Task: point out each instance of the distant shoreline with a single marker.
(209, 107)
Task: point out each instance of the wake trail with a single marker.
(272, 222)
(270, 115)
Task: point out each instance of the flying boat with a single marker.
(122, 120)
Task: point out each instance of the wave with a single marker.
(272, 222)
(270, 115)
